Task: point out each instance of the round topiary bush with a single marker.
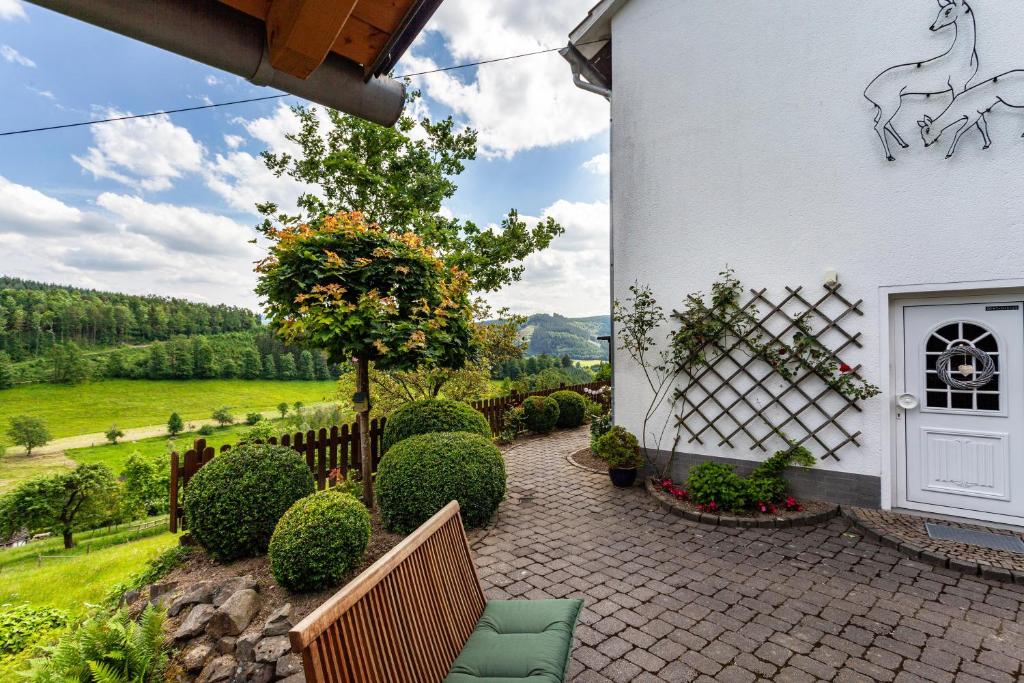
(433, 415)
(572, 408)
(540, 413)
(319, 539)
(233, 503)
(422, 474)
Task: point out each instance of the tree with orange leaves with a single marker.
(364, 294)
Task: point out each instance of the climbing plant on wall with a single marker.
(738, 365)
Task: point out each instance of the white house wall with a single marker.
(742, 137)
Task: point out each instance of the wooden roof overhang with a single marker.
(337, 53)
(372, 33)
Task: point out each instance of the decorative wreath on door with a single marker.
(980, 371)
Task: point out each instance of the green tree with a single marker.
(113, 434)
(203, 358)
(566, 361)
(86, 494)
(252, 368)
(287, 369)
(305, 367)
(142, 492)
(320, 367)
(69, 365)
(269, 367)
(229, 368)
(223, 416)
(400, 177)
(116, 365)
(367, 294)
(6, 371)
(29, 432)
(497, 341)
(180, 358)
(175, 424)
(158, 365)
(282, 408)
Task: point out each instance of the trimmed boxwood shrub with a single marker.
(619, 449)
(433, 415)
(319, 540)
(540, 413)
(422, 474)
(572, 408)
(234, 501)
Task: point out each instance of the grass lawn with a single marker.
(16, 468)
(114, 456)
(70, 583)
(589, 363)
(93, 407)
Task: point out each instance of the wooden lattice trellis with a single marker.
(736, 392)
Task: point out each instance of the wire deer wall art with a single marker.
(968, 109)
(950, 72)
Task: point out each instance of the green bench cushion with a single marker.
(518, 641)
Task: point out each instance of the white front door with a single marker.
(964, 444)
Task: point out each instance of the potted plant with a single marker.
(621, 451)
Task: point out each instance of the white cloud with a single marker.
(242, 180)
(212, 80)
(600, 164)
(571, 276)
(48, 94)
(272, 130)
(12, 9)
(148, 154)
(9, 54)
(518, 104)
(27, 211)
(179, 228)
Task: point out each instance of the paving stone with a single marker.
(673, 601)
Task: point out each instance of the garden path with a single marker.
(669, 600)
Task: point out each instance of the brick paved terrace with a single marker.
(668, 600)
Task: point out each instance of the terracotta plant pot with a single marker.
(623, 478)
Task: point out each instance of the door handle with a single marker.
(907, 401)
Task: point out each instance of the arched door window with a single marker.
(953, 335)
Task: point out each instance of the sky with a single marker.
(166, 205)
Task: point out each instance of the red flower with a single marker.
(845, 369)
(792, 505)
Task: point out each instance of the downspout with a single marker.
(226, 39)
(581, 67)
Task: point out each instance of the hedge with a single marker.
(422, 474)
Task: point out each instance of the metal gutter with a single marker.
(404, 35)
(582, 69)
(226, 39)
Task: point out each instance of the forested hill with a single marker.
(34, 317)
(559, 336)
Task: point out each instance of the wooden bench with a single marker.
(410, 616)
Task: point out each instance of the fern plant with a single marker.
(107, 650)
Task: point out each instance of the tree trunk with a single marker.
(363, 420)
(69, 542)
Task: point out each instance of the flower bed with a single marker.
(790, 513)
(586, 459)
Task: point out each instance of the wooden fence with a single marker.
(329, 449)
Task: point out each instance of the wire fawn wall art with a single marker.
(951, 72)
(968, 109)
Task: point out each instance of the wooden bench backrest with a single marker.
(404, 619)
